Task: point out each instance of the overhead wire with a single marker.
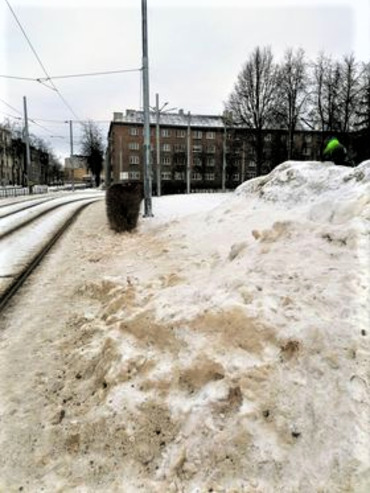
(40, 62)
(16, 77)
(91, 74)
(49, 79)
(11, 107)
(42, 80)
(32, 120)
(8, 115)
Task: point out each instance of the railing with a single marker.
(17, 191)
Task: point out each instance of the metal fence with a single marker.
(18, 191)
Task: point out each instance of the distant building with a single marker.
(7, 161)
(13, 158)
(78, 165)
(216, 153)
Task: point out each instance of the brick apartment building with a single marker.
(218, 154)
(12, 161)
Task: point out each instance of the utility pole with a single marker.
(158, 112)
(107, 166)
(120, 159)
(243, 163)
(188, 163)
(224, 160)
(27, 142)
(158, 153)
(145, 69)
(72, 159)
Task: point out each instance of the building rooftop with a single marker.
(179, 119)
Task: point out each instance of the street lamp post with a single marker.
(158, 112)
(145, 70)
(188, 161)
(158, 153)
(224, 160)
(72, 160)
(27, 142)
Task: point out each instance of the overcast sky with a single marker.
(196, 50)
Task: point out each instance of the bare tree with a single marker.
(350, 94)
(293, 92)
(363, 109)
(326, 89)
(363, 115)
(253, 100)
(336, 92)
(93, 149)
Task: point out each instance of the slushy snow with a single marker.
(223, 346)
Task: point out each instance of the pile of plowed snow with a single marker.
(231, 349)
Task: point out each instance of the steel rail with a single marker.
(20, 278)
(26, 222)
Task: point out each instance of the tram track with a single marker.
(36, 238)
(11, 228)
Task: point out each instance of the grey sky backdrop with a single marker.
(196, 50)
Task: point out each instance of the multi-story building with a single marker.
(6, 157)
(12, 161)
(203, 135)
(219, 155)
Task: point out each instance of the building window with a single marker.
(196, 176)
(166, 132)
(179, 176)
(134, 160)
(166, 175)
(179, 160)
(210, 135)
(197, 161)
(197, 148)
(134, 175)
(211, 161)
(211, 149)
(134, 131)
(309, 138)
(209, 176)
(134, 146)
(250, 174)
(252, 164)
(180, 133)
(152, 132)
(268, 137)
(197, 134)
(236, 177)
(166, 148)
(179, 147)
(166, 160)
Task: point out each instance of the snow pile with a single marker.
(229, 351)
(333, 190)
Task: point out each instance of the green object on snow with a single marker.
(332, 144)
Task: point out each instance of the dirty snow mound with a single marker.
(230, 350)
(240, 361)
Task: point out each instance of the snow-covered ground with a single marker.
(223, 346)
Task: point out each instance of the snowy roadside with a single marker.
(222, 351)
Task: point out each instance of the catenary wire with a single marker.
(42, 80)
(40, 62)
(32, 120)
